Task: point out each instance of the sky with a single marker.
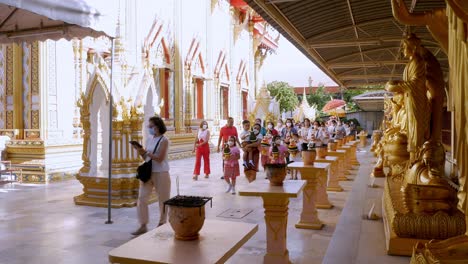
(291, 66)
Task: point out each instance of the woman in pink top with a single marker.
(231, 165)
(202, 149)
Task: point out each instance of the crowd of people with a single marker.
(250, 145)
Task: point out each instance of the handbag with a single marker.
(144, 170)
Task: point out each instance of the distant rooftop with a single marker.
(371, 101)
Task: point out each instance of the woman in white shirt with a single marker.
(156, 150)
(202, 149)
(304, 130)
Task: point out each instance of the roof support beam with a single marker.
(366, 64)
(364, 85)
(352, 42)
(369, 76)
(369, 22)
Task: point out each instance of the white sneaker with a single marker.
(233, 190)
(229, 189)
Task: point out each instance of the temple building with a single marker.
(200, 60)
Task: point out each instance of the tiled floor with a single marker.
(41, 224)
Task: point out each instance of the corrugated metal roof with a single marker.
(317, 21)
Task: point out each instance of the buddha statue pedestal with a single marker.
(451, 251)
(403, 229)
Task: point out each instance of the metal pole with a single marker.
(111, 106)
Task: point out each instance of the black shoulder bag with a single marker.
(144, 170)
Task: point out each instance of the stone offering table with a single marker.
(315, 193)
(347, 164)
(363, 140)
(341, 154)
(275, 202)
(333, 182)
(353, 145)
(218, 241)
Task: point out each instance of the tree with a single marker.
(318, 98)
(284, 94)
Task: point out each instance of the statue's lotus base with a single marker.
(403, 230)
(450, 251)
(124, 192)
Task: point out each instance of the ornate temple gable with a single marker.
(221, 71)
(262, 36)
(158, 46)
(241, 14)
(98, 78)
(146, 83)
(194, 60)
(242, 77)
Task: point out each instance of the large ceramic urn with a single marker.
(275, 173)
(186, 215)
(309, 154)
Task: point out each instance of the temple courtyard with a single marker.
(41, 224)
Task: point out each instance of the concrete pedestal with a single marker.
(218, 241)
(275, 202)
(341, 154)
(315, 194)
(333, 182)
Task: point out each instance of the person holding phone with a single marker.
(156, 150)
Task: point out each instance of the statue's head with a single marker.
(411, 45)
(433, 154)
(398, 99)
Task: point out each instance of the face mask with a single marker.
(278, 142)
(151, 131)
(205, 126)
(279, 124)
(270, 126)
(255, 131)
(288, 124)
(231, 143)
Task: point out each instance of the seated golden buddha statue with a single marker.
(425, 189)
(392, 149)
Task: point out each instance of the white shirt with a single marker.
(203, 134)
(162, 166)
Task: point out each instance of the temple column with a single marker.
(178, 71)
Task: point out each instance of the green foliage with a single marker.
(284, 94)
(319, 98)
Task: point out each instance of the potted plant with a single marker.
(309, 154)
(186, 215)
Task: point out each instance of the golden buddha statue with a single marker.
(394, 139)
(423, 86)
(419, 201)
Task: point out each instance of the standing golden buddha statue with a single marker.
(423, 86)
